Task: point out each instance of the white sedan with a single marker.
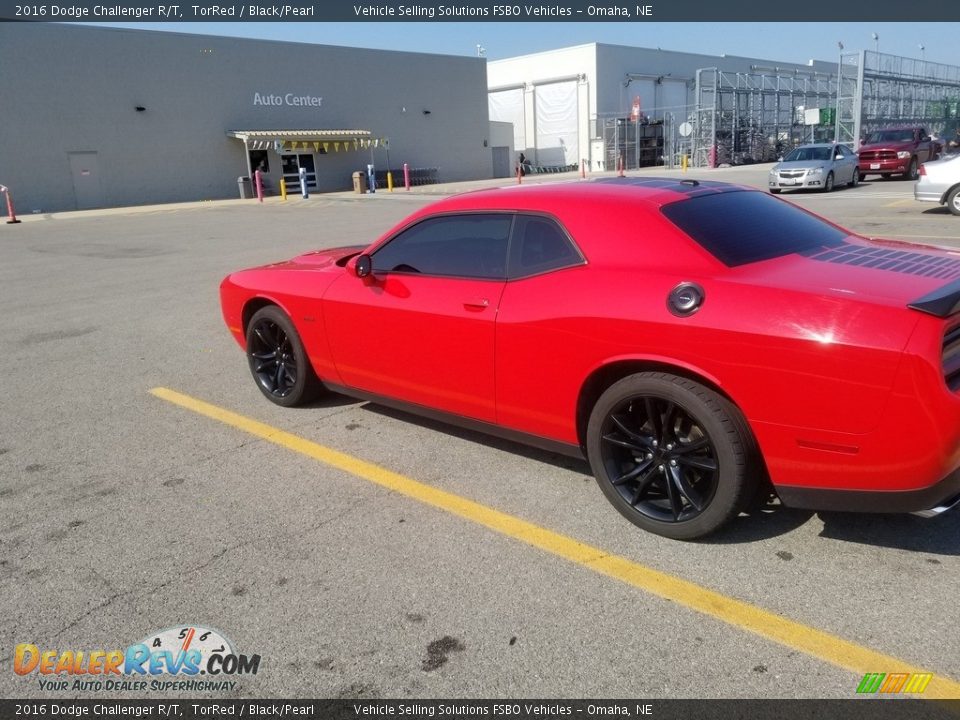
(819, 167)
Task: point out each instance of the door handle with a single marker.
(476, 303)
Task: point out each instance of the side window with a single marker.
(539, 244)
(469, 245)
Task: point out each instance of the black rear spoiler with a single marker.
(942, 302)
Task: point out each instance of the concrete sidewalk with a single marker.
(439, 190)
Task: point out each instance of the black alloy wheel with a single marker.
(277, 359)
(673, 456)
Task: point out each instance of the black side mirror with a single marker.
(363, 266)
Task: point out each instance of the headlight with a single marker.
(816, 171)
(903, 154)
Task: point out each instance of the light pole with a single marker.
(836, 120)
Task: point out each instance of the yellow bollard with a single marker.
(389, 181)
(683, 162)
(283, 188)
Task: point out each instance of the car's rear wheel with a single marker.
(953, 201)
(855, 180)
(278, 361)
(674, 457)
(828, 183)
(912, 172)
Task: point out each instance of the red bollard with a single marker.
(620, 166)
(257, 176)
(583, 170)
(10, 211)
(406, 176)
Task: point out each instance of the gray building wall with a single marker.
(71, 89)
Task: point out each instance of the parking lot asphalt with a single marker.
(123, 513)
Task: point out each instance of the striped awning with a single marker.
(290, 140)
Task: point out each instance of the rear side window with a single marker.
(744, 227)
(469, 245)
(539, 245)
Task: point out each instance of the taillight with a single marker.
(923, 170)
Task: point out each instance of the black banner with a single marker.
(872, 708)
(636, 11)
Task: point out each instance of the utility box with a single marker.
(246, 188)
(360, 182)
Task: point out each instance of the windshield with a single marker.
(744, 227)
(809, 153)
(890, 136)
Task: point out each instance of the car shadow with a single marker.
(938, 210)
(936, 536)
(514, 448)
(766, 520)
(762, 522)
(327, 400)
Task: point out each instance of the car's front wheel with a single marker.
(913, 171)
(953, 201)
(673, 456)
(278, 361)
(828, 183)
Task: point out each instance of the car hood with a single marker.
(328, 257)
(887, 272)
(887, 146)
(801, 165)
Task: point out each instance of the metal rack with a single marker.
(743, 117)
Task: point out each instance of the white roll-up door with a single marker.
(558, 139)
(507, 106)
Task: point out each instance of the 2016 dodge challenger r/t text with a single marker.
(695, 341)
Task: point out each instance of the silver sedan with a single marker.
(820, 167)
(940, 182)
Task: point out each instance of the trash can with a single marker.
(246, 188)
(359, 182)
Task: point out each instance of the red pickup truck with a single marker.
(896, 151)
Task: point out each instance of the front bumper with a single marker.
(779, 182)
(872, 167)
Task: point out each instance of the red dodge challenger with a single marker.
(697, 342)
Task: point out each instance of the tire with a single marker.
(774, 191)
(855, 180)
(278, 362)
(912, 173)
(672, 456)
(953, 201)
(828, 183)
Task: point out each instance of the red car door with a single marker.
(420, 327)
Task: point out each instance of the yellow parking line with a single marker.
(813, 642)
(895, 203)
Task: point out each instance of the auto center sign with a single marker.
(288, 100)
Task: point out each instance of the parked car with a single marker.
(694, 341)
(940, 183)
(817, 166)
(897, 151)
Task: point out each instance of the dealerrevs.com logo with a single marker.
(188, 658)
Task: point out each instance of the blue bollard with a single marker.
(371, 179)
